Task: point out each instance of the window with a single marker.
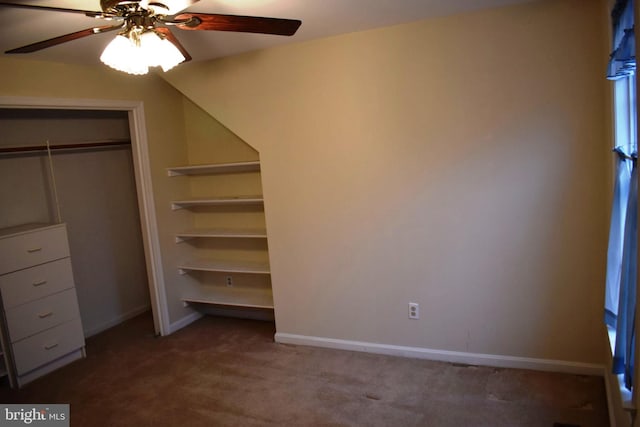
(621, 284)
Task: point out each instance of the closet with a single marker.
(75, 167)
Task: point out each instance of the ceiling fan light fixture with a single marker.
(159, 52)
(120, 55)
(135, 52)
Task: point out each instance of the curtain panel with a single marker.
(622, 61)
(621, 280)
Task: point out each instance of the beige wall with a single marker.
(458, 163)
(208, 141)
(165, 130)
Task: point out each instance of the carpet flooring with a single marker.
(229, 372)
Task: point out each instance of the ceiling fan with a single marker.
(145, 38)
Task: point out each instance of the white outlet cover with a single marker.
(414, 310)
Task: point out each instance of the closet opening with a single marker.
(85, 164)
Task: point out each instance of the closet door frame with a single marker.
(144, 188)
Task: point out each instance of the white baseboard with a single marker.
(446, 356)
(116, 320)
(185, 321)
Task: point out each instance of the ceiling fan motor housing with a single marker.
(120, 7)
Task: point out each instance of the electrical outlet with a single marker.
(229, 281)
(414, 310)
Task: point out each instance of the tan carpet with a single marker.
(229, 372)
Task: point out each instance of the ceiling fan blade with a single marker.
(169, 35)
(62, 39)
(50, 8)
(243, 24)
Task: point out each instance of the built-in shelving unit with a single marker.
(216, 276)
(40, 328)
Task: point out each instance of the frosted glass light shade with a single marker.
(159, 52)
(121, 54)
(150, 50)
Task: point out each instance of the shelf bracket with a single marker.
(182, 271)
(176, 206)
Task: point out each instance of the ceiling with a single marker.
(320, 18)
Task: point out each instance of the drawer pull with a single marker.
(40, 283)
(45, 315)
(50, 346)
(32, 250)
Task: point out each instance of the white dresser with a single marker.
(41, 328)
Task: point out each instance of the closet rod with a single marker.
(96, 144)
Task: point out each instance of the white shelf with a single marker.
(224, 266)
(218, 201)
(19, 229)
(239, 167)
(221, 233)
(234, 297)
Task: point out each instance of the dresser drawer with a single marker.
(32, 248)
(47, 346)
(36, 282)
(31, 318)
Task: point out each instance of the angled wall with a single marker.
(460, 163)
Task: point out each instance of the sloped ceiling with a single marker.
(320, 18)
